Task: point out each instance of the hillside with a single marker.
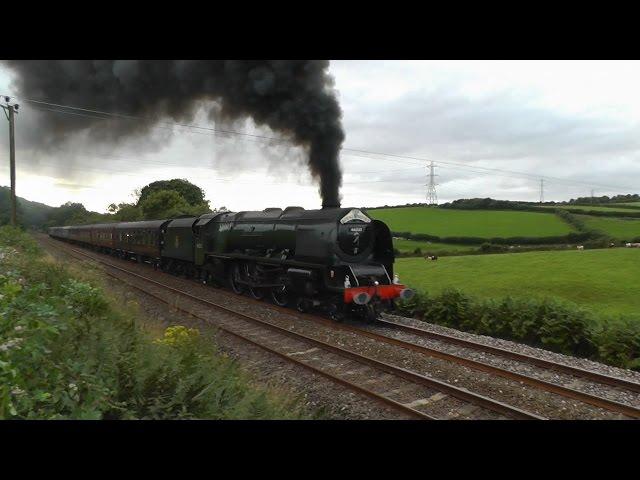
(605, 281)
(29, 213)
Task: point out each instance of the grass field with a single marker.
(588, 207)
(604, 281)
(633, 204)
(471, 223)
(620, 228)
(432, 247)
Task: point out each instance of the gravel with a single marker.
(519, 348)
(563, 379)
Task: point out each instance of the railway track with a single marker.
(564, 391)
(413, 394)
(503, 352)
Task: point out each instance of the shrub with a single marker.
(66, 351)
(565, 329)
(449, 308)
(16, 238)
(618, 343)
(487, 247)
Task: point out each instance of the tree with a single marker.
(126, 212)
(163, 204)
(69, 213)
(191, 193)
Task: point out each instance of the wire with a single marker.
(210, 130)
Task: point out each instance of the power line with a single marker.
(530, 175)
(98, 114)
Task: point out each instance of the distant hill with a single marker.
(161, 199)
(39, 215)
(30, 214)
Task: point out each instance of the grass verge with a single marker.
(68, 352)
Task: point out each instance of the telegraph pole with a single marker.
(542, 190)
(10, 110)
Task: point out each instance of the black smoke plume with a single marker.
(293, 98)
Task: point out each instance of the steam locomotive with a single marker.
(336, 260)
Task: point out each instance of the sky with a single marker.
(492, 129)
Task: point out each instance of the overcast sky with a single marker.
(576, 122)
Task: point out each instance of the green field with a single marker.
(633, 204)
(604, 281)
(471, 223)
(593, 208)
(431, 247)
(620, 228)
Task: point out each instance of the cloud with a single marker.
(575, 122)
(502, 129)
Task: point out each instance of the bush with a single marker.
(619, 343)
(67, 352)
(565, 329)
(487, 247)
(15, 238)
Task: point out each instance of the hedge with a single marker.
(573, 237)
(602, 213)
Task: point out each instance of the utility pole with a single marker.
(10, 109)
(592, 191)
(432, 196)
(542, 190)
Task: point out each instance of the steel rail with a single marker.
(568, 392)
(595, 400)
(539, 362)
(457, 392)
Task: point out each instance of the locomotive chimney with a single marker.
(326, 204)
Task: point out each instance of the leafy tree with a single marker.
(68, 214)
(125, 212)
(169, 203)
(191, 193)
